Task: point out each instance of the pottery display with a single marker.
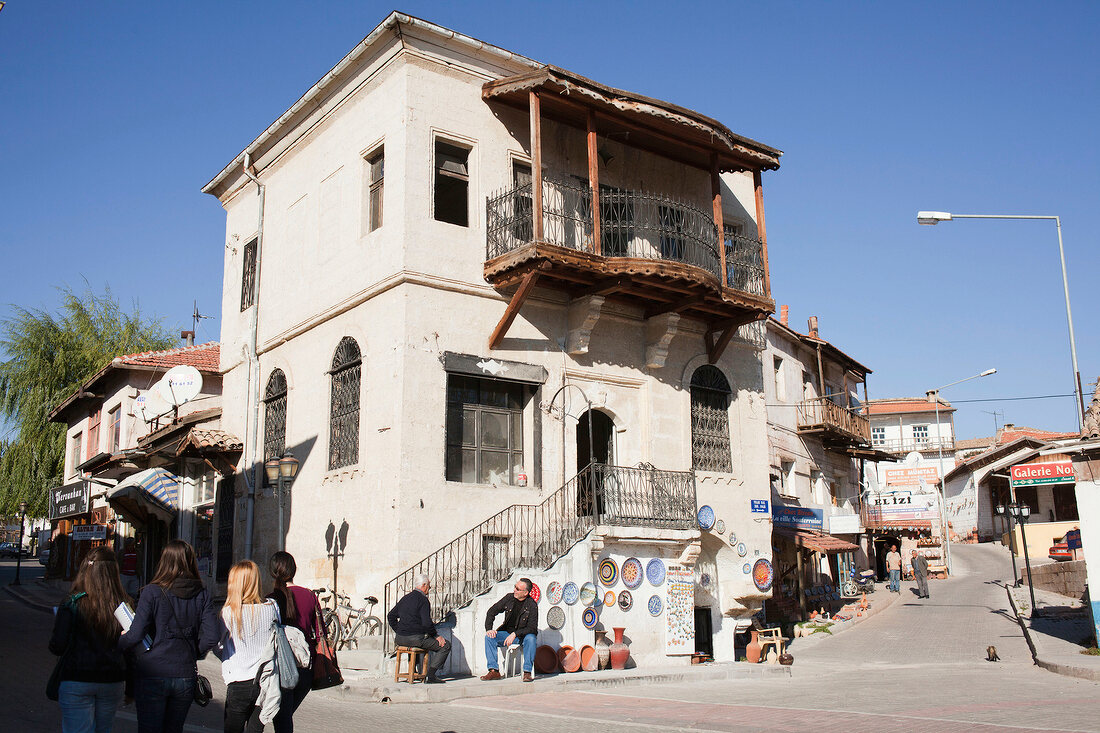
(720, 526)
(588, 594)
(603, 649)
(786, 659)
(554, 593)
(563, 650)
(609, 572)
(546, 659)
(752, 649)
(555, 617)
(625, 600)
(589, 661)
(632, 573)
(655, 605)
(705, 517)
(571, 662)
(655, 571)
(536, 592)
(570, 593)
(742, 550)
(763, 574)
(620, 652)
(609, 598)
(589, 618)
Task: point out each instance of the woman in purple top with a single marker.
(298, 607)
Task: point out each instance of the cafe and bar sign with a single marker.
(69, 500)
(1042, 474)
(796, 516)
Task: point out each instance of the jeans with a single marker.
(491, 646)
(895, 581)
(240, 704)
(89, 707)
(288, 703)
(162, 703)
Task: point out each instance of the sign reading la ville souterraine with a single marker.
(1038, 474)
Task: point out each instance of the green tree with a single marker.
(49, 355)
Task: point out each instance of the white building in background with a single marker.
(455, 278)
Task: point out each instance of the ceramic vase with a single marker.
(752, 649)
(619, 651)
(603, 649)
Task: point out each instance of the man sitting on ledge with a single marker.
(411, 621)
(521, 621)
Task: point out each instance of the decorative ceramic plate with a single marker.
(609, 598)
(655, 571)
(656, 605)
(704, 580)
(554, 593)
(589, 618)
(625, 600)
(588, 594)
(705, 516)
(733, 537)
(632, 572)
(609, 572)
(720, 526)
(536, 593)
(570, 593)
(555, 617)
(742, 550)
(762, 574)
(746, 569)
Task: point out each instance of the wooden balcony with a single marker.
(835, 425)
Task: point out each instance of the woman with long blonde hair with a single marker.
(248, 659)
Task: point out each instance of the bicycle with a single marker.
(360, 622)
(330, 618)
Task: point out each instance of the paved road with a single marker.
(917, 666)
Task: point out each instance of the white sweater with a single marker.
(251, 647)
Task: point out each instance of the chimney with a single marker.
(812, 323)
(188, 337)
(783, 314)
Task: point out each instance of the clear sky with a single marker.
(115, 114)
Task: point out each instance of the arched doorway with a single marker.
(595, 445)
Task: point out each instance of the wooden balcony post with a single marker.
(716, 193)
(594, 181)
(762, 231)
(536, 163)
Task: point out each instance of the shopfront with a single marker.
(77, 525)
(811, 564)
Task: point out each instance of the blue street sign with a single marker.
(758, 506)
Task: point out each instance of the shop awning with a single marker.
(149, 494)
(814, 540)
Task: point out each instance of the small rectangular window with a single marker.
(786, 478)
(452, 184)
(376, 165)
(248, 275)
(75, 452)
(93, 434)
(114, 428)
(878, 435)
(920, 434)
(780, 388)
(522, 229)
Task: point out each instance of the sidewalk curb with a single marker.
(27, 601)
(1066, 670)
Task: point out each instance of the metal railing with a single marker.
(632, 224)
(823, 412)
(536, 535)
(907, 445)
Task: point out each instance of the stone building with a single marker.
(508, 319)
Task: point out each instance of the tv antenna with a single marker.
(196, 317)
(995, 414)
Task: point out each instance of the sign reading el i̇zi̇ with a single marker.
(1042, 474)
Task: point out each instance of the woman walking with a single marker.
(249, 653)
(177, 613)
(297, 607)
(85, 634)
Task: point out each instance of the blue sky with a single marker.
(115, 114)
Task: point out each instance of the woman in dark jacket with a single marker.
(85, 634)
(177, 613)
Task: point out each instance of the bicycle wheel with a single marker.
(334, 629)
(373, 626)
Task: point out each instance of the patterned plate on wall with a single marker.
(609, 598)
(655, 571)
(762, 574)
(570, 592)
(589, 618)
(705, 517)
(704, 580)
(632, 572)
(733, 538)
(742, 550)
(536, 593)
(720, 526)
(554, 593)
(555, 617)
(746, 569)
(609, 572)
(588, 594)
(656, 605)
(625, 600)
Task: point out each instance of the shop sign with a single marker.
(897, 506)
(1042, 474)
(84, 532)
(912, 475)
(844, 524)
(797, 516)
(68, 500)
(758, 506)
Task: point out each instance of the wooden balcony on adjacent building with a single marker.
(834, 423)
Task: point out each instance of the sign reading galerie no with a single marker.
(1038, 474)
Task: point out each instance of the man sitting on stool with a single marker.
(521, 621)
(411, 621)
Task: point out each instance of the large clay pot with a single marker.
(752, 649)
(589, 660)
(563, 652)
(603, 649)
(620, 652)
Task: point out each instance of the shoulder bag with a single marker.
(53, 685)
(326, 671)
(203, 692)
(285, 663)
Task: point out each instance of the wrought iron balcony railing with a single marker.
(822, 414)
(908, 445)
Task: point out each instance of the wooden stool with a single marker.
(413, 654)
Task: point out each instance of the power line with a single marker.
(953, 402)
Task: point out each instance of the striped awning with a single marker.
(149, 494)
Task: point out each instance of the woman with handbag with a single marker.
(177, 613)
(248, 653)
(90, 678)
(298, 607)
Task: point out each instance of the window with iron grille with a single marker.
(376, 163)
(710, 429)
(484, 430)
(343, 437)
(248, 275)
(274, 417)
(523, 228)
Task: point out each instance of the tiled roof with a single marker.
(213, 439)
(1007, 435)
(204, 357)
(904, 405)
(816, 540)
(972, 443)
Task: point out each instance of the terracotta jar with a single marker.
(752, 649)
(603, 649)
(619, 651)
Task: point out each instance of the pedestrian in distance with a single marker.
(920, 574)
(297, 607)
(92, 668)
(411, 621)
(127, 567)
(248, 651)
(893, 564)
(521, 619)
(176, 612)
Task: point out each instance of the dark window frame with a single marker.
(344, 404)
(471, 403)
(248, 275)
(376, 169)
(710, 428)
(114, 428)
(451, 182)
(275, 413)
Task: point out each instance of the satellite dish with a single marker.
(179, 384)
(149, 405)
(913, 458)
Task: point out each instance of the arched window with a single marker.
(343, 434)
(710, 422)
(275, 415)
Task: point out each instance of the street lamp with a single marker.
(1020, 511)
(935, 217)
(19, 545)
(281, 472)
(935, 394)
